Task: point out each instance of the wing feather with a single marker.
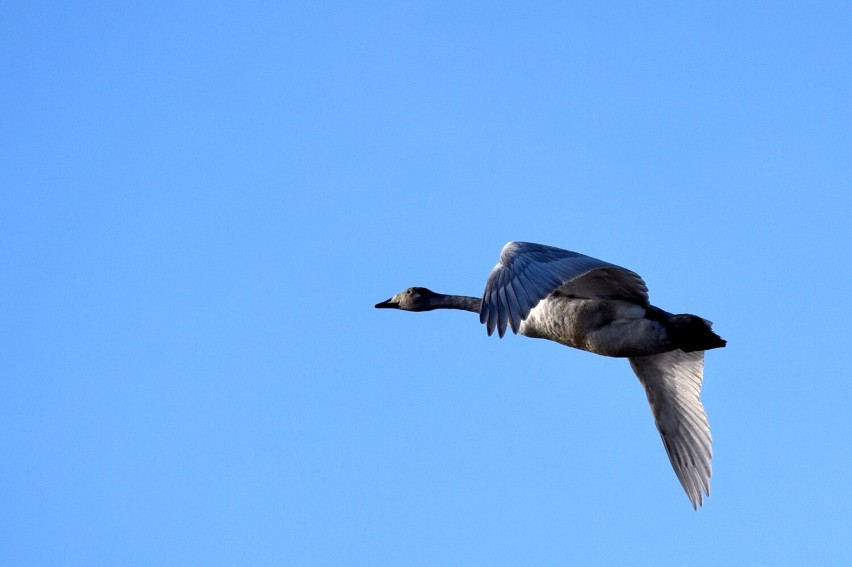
(515, 308)
(672, 382)
(528, 273)
(502, 311)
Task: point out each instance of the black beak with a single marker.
(389, 304)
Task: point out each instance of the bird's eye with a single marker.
(408, 292)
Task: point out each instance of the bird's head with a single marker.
(412, 299)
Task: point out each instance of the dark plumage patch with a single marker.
(691, 333)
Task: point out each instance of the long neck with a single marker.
(441, 301)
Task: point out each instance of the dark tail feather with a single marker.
(691, 333)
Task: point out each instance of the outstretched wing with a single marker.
(672, 381)
(528, 273)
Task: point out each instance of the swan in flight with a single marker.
(549, 293)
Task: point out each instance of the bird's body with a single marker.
(578, 301)
(606, 327)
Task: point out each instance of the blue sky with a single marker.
(200, 205)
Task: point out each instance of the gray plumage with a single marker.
(582, 302)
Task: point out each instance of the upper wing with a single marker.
(528, 273)
(672, 381)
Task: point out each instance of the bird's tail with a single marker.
(691, 333)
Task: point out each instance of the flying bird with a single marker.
(548, 293)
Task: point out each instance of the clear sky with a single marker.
(201, 203)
